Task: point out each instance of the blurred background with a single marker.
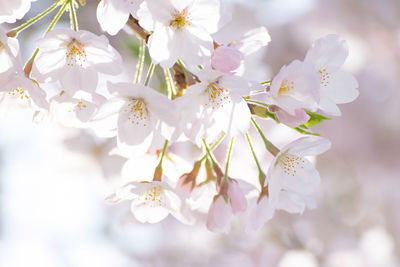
(53, 179)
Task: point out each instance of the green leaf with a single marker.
(303, 131)
(315, 119)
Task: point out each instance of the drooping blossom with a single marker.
(181, 29)
(327, 55)
(292, 178)
(226, 59)
(231, 200)
(10, 11)
(113, 14)
(153, 201)
(75, 58)
(139, 116)
(296, 86)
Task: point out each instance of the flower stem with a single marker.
(29, 64)
(256, 103)
(149, 73)
(14, 32)
(72, 16)
(227, 161)
(261, 174)
(159, 170)
(268, 145)
(209, 153)
(170, 83)
(140, 64)
(213, 146)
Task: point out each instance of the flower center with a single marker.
(19, 93)
(76, 54)
(324, 77)
(291, 164)
(286, 87)
(180, 19)
(153, 197)
(138, 113)
(217, 96)
(78, 107)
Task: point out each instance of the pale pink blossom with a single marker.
(153, 201)
(139, 116)
(181, 29)
(296, 86)
(13, 83)
(327, 55)
(75, 58)
(216, 105)
(292, 178)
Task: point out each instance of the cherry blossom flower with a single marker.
(10, 11)
(139, 116)
(153, 201)
(181, 29)
(13, 83)
(113, 14)
(327, 55)
(296, 86)
(215, 104)
(75, 111)
(292, 178)
(230, 201)
(75, 59)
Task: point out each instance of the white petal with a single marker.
(342, 87)
(308, 146)
(112, 15)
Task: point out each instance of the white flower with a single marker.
(139, 116)
(75, 59)
(10, 11)
(181, 29)
(13, 83)
(295, 86)
(327, 55)
(215, 104)
(75, 111)
(292, 178)
(153, 201)
(113, 14)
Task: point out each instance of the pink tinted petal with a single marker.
(238, 200)
(300, 117)
(219, 216)
(226, 59)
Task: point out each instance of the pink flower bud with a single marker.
(226, 59)
(237, 198)
(219, 215)
(301, 117)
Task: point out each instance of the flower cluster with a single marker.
(207, 99)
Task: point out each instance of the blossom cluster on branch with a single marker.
(209, 99)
